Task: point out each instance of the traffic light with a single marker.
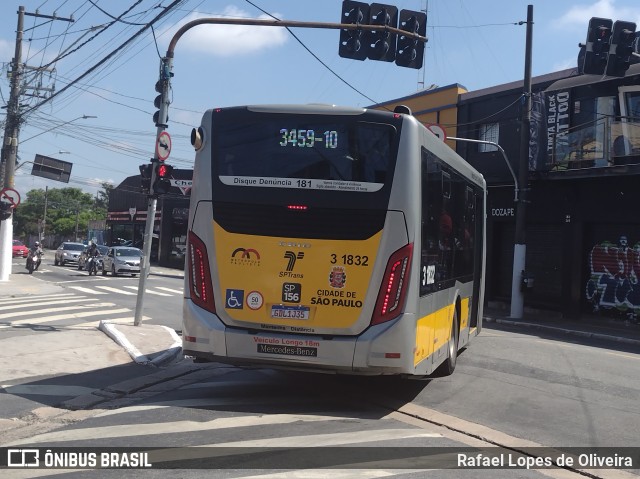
(620, 48)
(597, 46)
(382, 43)
(146, 171)
(353, 43)
(5, 211)
(411, 51)
(162, 182)
(157, 102)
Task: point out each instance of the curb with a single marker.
(171, 354)
(583, 334)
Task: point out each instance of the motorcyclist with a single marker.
(35, 254)
(93, 254)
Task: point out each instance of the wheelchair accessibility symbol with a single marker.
(235, 298)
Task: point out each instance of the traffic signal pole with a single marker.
(166, 67)
(152, 201)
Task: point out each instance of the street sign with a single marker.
(163, 146)
(51, 168)
(11, 196)
(438, 130)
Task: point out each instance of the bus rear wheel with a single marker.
(447, 368)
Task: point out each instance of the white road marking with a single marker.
(39, 312)
(38, 297)
(177, 291)
(126, 320)
(179, 427)
(60, 317)
(148, 291)
(333, 439)
(34, 305)
(116, 290)
(86, 290)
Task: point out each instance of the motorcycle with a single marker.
(34, 258)
(92, 265)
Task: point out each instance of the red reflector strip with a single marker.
(392, 355)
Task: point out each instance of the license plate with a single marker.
(290, 312)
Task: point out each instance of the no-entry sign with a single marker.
(11, 196)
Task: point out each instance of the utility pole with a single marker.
(520, 247)
(10, 141)
(44, 217)
(10, 147)
(77, 221)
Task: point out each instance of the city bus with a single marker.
(331, 239)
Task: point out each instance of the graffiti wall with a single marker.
(612, 287)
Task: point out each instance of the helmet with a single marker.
(37, 243)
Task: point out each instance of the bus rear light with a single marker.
(392, 355)
(297, 207)
(393, 290)
(190, 339)
(200, 284)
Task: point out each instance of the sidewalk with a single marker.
(587, 326)
(146, 344)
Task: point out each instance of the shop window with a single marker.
(488, 132)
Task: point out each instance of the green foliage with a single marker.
(102, 198)
(64, 207)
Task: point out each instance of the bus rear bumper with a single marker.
(206, 338)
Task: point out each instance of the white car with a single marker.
(68, 252)
(122, 259)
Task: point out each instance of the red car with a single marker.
(19, 249)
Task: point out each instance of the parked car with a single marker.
(19, 249)
(68, 252)
(122, 259)
(82, 260)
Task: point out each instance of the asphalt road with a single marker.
(162, 303)
(512, 388)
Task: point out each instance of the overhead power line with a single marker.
(109, 56)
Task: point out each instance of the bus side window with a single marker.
(432, 201)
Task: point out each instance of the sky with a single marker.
(475, 43)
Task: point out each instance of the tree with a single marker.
(102, 198)
(67, 209)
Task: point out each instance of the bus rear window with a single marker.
(303, 151)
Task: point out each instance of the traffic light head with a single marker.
(620, 48)
(411, 51)
(162, 182)
(382, 43)
(146, 171)
(353, 42)
(5, 211)
(597, 46)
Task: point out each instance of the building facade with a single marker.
(127, 216)
(582, 229)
